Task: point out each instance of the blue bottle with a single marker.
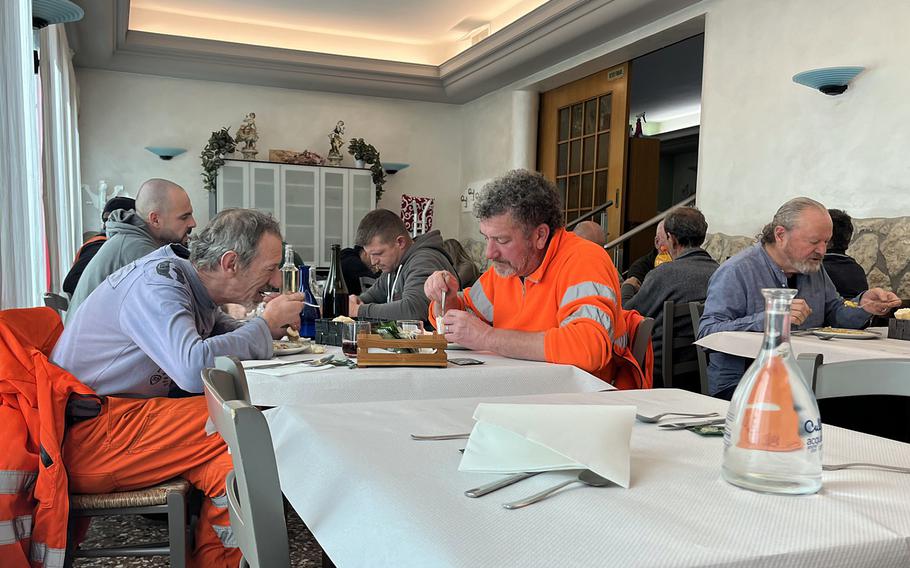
(309, 314)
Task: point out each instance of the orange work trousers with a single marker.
(135, 443)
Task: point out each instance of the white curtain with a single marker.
(60, 153)
(22, 254)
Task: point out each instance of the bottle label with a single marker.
(812, 434)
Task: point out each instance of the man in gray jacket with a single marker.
(163, 215)
(683, 280)
(405, 262)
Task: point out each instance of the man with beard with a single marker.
(152, 327)
(789, 255)
(163, 215)
(549, 296)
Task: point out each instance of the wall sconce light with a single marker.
(165, 153)
(829, 80)
(47, 12)
(393, 168)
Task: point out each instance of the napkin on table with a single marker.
(510, 438)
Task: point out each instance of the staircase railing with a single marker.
(616, 251)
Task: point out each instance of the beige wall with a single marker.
(121, 113)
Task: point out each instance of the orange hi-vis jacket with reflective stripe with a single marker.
(573, 297)
(34, 395)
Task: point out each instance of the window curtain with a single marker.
(22, 254)
(59, 154)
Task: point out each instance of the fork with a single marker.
(656, 418)
(839, 466)
(311, 362)
(424, 438)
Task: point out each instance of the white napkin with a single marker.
(510, 438)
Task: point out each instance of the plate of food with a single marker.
(844, 333)
(285, 347)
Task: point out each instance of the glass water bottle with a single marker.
(773, 436)
(335, 295)
(289, 274)
(310, 313)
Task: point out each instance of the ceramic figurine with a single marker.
(334, 158)
(248, 136)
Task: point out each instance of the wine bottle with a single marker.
(289, 274)
(335, 296)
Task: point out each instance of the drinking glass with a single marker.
(349, 333)
(414, 327)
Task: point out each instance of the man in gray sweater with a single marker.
(405, 263)
(683, 280)
(163, 215)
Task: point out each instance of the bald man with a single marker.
(591, 231)
(163, 215)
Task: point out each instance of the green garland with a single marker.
(370, 155)
(220, 144)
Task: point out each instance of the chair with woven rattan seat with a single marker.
(169, 497)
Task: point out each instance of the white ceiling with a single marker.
(409, 49)
(415, 31)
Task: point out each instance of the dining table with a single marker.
(494, 376)
(835, 350)
(374, 497)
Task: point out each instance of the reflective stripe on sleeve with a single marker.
(586, 289)
(13, 481)
(220, 501)
(50, 557)
(481, 303)
(226, 535)
(593, 313)
(15, 530)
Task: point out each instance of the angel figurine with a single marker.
(248, 136)
(337, 142)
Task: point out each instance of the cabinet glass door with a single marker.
(334, 204)
(264, 187)
(363, 200)
(299, 219)
(232, 186)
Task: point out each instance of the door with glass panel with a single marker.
(582, 144)
(334, 204)
(300, 214)
(264, 188)
(363, 200)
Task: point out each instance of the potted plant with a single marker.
(368, 154)
(220, 144)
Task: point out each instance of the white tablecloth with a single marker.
(498, 376)
(748, 344)
(373, 497)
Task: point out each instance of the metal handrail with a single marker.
(649, 223)
(588, 215)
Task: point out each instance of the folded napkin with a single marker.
(510, 438)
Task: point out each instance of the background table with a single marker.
(498, 376)
(748, 344)
(373, 497)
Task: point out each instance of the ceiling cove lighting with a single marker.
(829, 80)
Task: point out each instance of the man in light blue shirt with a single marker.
(789, 255)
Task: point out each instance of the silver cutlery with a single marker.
(311, 362)
(656, 418)
(587, 477)
(424, 438)
(684, 425)
(499, 484)
(839, 466)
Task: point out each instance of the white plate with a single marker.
(846, 334)
(287, 348)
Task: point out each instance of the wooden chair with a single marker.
(56, 302)
(169, 498)
(641, 340)
(696, 309)
(255, 503)
(679, 358)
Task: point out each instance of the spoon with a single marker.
(586, 476)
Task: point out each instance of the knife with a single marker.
(505, 482)
(281, 364)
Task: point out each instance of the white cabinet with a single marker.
(316, 206)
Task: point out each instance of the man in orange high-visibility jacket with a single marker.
(550, 295)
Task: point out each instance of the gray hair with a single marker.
(531, 198)
(688, 225)
(238, 230)
(788, 216)
(381, 223)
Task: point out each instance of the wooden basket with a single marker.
(436, 341)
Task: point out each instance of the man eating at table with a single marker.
(549, 296)
(789, 255)
(152, 327)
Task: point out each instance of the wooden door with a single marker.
(582, 143)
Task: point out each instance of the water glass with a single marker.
(349, 333)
